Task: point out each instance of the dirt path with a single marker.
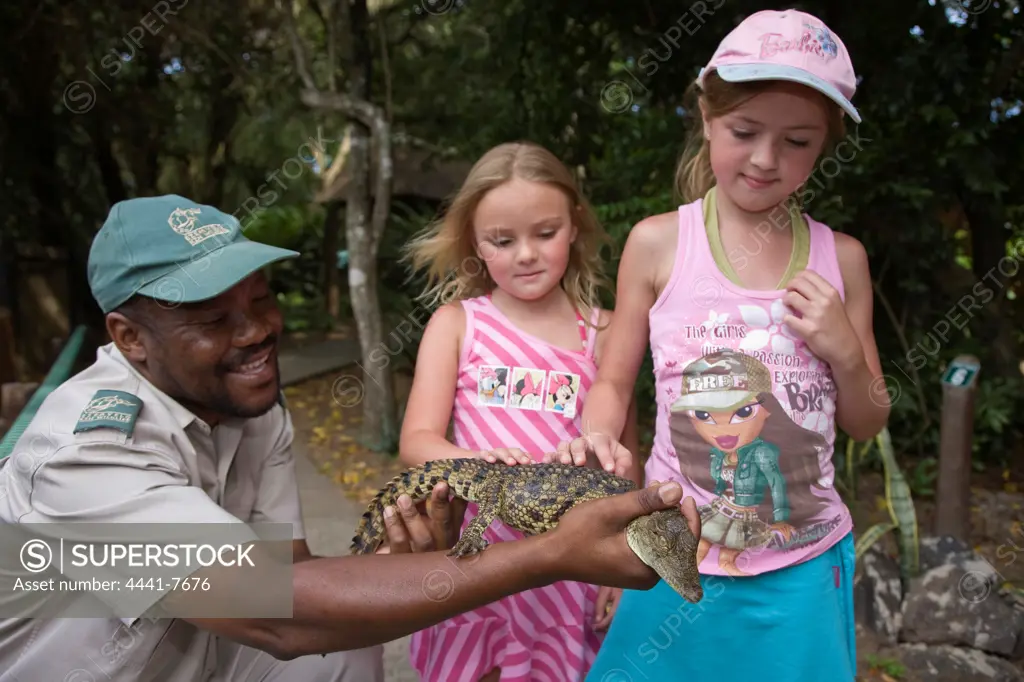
(330, 519)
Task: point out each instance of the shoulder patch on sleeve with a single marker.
(109, 409)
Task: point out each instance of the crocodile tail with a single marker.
(417, 482)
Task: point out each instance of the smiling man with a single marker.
(179, 420)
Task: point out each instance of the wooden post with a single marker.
(8, 370)
(952, 499)
(14, 397)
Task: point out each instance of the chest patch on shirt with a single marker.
(528, 388)
(109, 409)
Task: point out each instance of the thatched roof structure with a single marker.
(417, 173)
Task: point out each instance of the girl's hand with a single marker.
(509, 456)
(605, 606)
(595, 450)
(823, 323)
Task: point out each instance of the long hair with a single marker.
(694, 176)
(799, 460)
(446, 248)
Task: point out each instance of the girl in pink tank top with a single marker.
(759, 321)
(507, 362)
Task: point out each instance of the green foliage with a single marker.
(903, 517)
(887, 666)
(208, 106)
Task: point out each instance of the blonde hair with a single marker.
(446, 249)
(694, 176)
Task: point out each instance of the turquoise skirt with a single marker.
(791, 625)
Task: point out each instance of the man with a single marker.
(179, 420)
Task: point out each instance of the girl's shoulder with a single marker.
(450, 317)
(852, 258)
(655, 232)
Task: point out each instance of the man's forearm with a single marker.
(353, 602)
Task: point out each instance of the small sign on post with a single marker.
(952, 499)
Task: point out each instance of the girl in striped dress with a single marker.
(507, 360)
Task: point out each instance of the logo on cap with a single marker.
(183, 221)
(816, 40)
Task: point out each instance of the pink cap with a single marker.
(787, 45)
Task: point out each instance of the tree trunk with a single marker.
(363, 227)
(380, 422)
(330, 284)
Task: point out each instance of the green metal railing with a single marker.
(58, 374)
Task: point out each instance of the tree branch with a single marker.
(382, 32)
(1009, 65)
(301, 65)
(374, 118)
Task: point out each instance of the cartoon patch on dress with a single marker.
(492, 386)
(527, 388)
(758, 469)
(562, 390)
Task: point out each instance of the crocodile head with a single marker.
(664, 542)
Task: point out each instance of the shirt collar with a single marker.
(182, 415)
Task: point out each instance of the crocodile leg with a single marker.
(472, 540)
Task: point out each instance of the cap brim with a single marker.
(214, 272)
(745, 73)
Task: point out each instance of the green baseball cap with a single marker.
(171, 249)
(722, 381)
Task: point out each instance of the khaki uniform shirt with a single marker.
(172, 468)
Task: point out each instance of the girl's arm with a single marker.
(429, 409)
(607, 405)
(630, 437)
(862, 407)
(631, 441)
(841, 334)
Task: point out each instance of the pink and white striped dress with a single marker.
(515, 390)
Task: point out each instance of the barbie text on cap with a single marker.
(787, 45)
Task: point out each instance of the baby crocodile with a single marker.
(532, 498)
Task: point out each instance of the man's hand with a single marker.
(589, 544)
(433, 524)
(596, 450)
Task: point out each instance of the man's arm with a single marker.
(353, 602)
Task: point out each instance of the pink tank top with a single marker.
(516, 390)
(746, 412)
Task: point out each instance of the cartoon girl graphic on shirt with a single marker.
(757, 467)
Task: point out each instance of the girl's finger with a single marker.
(600, 604)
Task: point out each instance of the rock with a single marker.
(877, 595)
(954, 664)
(942, 550)
(957, 603)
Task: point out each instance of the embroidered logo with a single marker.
(183, 221)
(815, 39)
(110, 409)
